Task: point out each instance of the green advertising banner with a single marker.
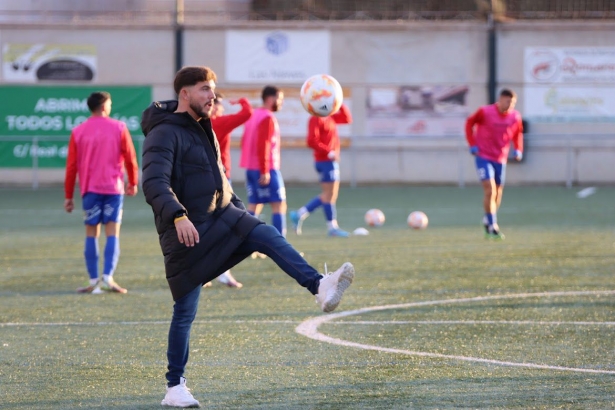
(37, 120)
(29, 153)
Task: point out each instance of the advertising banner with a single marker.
(56, 110)
(35, 126)
(276, 57)
(569, 65)
(24, 153)
(564, 84)
(30, 63)
(408, 111)
(558, 103)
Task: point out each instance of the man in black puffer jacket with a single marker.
(202, 225)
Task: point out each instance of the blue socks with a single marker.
(279, 221)
(91, 256)
(491, 219)
(313, 204)
(330, 212)
(112, 254)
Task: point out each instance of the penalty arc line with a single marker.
(472, 322)
(309, 328)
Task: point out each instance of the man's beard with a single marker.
(200, 111)
(275, 107)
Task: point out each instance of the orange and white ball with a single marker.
(418, 220)
(374, 217)
(321, 95)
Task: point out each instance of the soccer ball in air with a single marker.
(417, 220)
(374, 217)
(321, 95)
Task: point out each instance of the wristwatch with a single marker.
(179, 214)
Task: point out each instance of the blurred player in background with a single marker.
(260, 156)
(324, 140)
(99, 149)
(489, 132)
(223, 125)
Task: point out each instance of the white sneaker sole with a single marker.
(188, 406)
(344, 282)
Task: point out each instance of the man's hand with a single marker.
(473, 150)
(132, 190)
(518, 155)
(332, 156)
(69, 205)
(264, 179)
(186, 232)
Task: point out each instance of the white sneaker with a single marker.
(93, 289)
(180, 396)
(228, 279)
(332, 287)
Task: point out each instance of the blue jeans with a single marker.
(264, 239)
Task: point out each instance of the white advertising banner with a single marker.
(292, 118)
(565, 103)
(565, 84)
(276, 57)
(570, 65)
(31, 63)
(413, 111)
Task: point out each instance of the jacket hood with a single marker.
(163, 112)
(157, 113)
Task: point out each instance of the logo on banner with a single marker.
(48, 62)
(277, 43)
(543, 65)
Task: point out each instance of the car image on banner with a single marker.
(30, 63)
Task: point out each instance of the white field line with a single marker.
(142, 323)
(470, 322)
(292, 322)
(309, 328)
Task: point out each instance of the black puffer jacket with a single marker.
(182, 171)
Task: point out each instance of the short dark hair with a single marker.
(97, 99)
(508, 93)
(269, 91)
(219, 96)
(188, 76)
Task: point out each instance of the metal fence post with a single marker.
(569, 165)
(460, 156)
(34, 150)
(353, 164)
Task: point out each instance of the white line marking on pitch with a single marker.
(292, 322)
(309, 328)
(146, 323)
(470, 322)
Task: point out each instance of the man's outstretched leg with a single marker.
(328, 289)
